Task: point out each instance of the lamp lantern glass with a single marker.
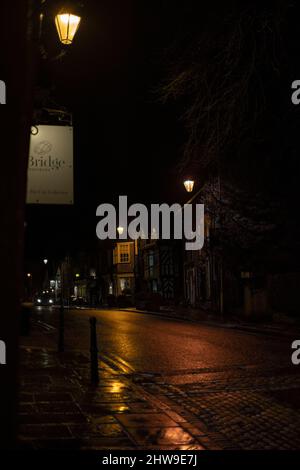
(67, 25)
(189, 185)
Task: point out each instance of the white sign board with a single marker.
(50, 166)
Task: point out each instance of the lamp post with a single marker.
(189, 186)
(61, 332)
(29, 283)
(46, 277)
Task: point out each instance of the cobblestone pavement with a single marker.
(243, 408)
(59, 409)
(238, 406)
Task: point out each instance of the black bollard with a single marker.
(61, 333)
(94, 352)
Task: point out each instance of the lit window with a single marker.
(124, 284)
(151, 263)
(124, 253)
(121, 253)
(154, 285)
(124, 257)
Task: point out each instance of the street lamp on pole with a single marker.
(29, 286)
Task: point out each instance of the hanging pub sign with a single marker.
(50, 165)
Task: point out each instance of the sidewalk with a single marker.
(280, 326)
(60, 409)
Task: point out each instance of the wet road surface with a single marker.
(149, 343)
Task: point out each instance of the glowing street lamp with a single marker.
(29, 275)
(189, 185)
(67, 25)
(45, 261)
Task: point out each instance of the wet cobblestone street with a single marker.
(231, 406)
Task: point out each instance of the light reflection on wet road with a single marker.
(149, 343)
